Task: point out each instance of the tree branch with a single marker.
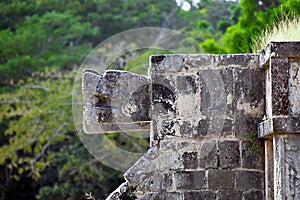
(57, 132)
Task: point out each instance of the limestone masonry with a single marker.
(222, 126)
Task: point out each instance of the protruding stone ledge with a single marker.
(281, 61)
(115, 101)
(289, 125)
(281, 128)
(278, 50)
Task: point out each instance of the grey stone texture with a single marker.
(287, 167)
(229, 154)
(230, 195)
(220, 179)
(189, 180)
(190, 160)
(199, 195)
(282, 88)
(252, 154)
(209, 155)
(113, 103)
(203, 110)
(253, 195)
(246, 180)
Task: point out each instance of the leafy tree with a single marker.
(42, 146)
(51, 40)
(209, 21)
(256, 16)
(41, 155)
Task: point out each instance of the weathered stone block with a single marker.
(227, 78)
(215, 126)
(161, 196)
(246, 180)
(229, 195)
(187, 85)
(247, 124)
(188, 106)
(166, 181)
(109, 107)
(294, 87)
(152, 153)
(286, 125)
(167, 127)
(214, 93)
(253, 154)
(189, 180)
(149, 184)
(146, 196)
(164, 160)
(209, 157)
(278, 50)
(249, 92)
(279, 125)
(229, 154)
(157, 182)
(199, 195)
(280, 84)
(140, 171)
(163, 100)
(167, 196)
(220, 179)
(205, 104)
(173, 145)
(237, 60)
(166, 63)
(190, 160)
(203, 126)
(287, 166)
(253, 195)
(187, 129)
(227, 127)
(194, 62)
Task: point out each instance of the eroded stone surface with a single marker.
(229, 154)
(294, 87)
(280, 78)
(209, 156)
(220, 179)
(230, 195)
(199, 195)
(249, 179)
(114, 101)
(287, 167)
(278, 50)
(252, 154)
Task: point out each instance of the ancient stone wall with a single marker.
(281, 63)
(204, 112)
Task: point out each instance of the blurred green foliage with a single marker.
(44, 41)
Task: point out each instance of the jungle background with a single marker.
(43, 42)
